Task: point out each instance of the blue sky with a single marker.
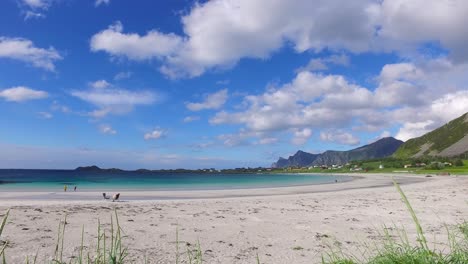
(224, 83)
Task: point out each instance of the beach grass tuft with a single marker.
(402, 251)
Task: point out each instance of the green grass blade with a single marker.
(421, 238)
(2, 226)
(81, 247)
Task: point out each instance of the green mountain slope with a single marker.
(380, 149)
(449, 140)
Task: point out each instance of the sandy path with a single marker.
(287, 228)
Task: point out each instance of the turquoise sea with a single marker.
(54, 180)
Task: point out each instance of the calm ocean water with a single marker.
(53, 180)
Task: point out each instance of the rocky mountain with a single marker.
(296, 160)
(381, 148)
(448, 140)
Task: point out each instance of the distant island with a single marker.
(95, 168)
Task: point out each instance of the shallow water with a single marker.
(54, 180)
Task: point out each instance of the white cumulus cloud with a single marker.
(340, 137)
(189, 119)
(36, 3)
(404, 25)
(301, 136)
(115, 101)
(21, 93)
(31, 14)
(153, 44)
(100, 84)
(211, 101)
(407, 95)
(219, 33)
(320, 64)
(24, 50)
(101, 2)
(155, 134)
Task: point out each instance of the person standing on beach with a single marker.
(74, 189)
(65, 188)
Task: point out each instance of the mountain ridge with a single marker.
(381, 148)
(451, 139)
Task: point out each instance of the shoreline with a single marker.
(341, 177)
(356, 181)
(292, 227)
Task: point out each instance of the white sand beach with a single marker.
(281, 225)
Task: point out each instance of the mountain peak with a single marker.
(383, 147)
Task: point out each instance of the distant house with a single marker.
(408, 166)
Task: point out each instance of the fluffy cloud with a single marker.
(428, 117)
(220, 33)
(415, 129)
(340, 137)
(406, 24)
(115, 101)
(41, 4)
(294, 105)
(31, 14)
(267, 141)
(101, 2)
(212, 101)
(100, 84)
(34, 8)
(321, 64)
(233, 140)
(417, 97)
(21, 93)
(133, 46)
(107, 129)
(247, 138)
(24, 50)
(115, 97)
(189, 119)
(217, 34)
(301, 136)
(155, 134)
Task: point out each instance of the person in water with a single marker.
(64, 188)
(74, 189)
